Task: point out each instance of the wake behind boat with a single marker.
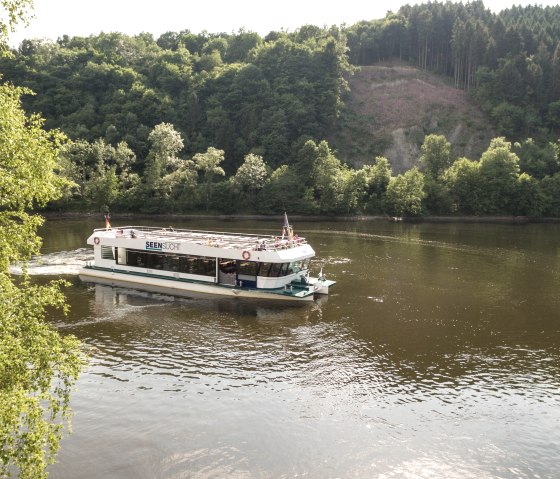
(181, 261)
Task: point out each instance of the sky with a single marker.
(54, 18)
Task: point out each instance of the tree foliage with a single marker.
(435, 155)
(208, 164)
(251, 177)
(38, 367)
(405, 194)
(234, 92)
(12, 12)
(499, 171)
(370, 185)
(225, 122)
(101, 173)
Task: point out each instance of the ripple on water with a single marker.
(221, 352)
(433, 381)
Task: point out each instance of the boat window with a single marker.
(107, 252)
(227, 266)
(197, 265)
(201, 265)
(297, 266)
(155, 261)
(247, 267)
(275, 270)
(171, 263)
(265, 269)
(278, 269)
(204, 266)
(184, 264)
(136, 258)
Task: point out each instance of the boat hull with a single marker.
(163, 285)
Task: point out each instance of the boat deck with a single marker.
(210, 238)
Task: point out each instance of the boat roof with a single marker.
(215, 238)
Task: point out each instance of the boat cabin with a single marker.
(229, 259)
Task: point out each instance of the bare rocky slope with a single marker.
(391, 108)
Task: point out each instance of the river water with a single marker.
(437, 355)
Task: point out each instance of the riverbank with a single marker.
(116, 217)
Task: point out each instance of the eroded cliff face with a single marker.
(390, 109)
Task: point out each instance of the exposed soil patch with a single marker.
(391, 108)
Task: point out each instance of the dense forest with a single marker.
(238, 123)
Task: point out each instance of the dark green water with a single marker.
(437, 355)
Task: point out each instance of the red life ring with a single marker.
(246, 255)
(96, 240)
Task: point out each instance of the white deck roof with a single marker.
(212, 238)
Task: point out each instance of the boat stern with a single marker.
(318, 285)
(322, 286)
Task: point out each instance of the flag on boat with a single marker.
(285, 226)
(287, 229)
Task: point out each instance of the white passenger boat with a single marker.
(182, 262)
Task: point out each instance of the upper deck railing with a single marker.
(244, 241)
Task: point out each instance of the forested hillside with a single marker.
(236, 122)
(510, 61)
(235, 92)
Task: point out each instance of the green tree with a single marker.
(332, 183)
(102, 172)
(252, 175)
(371, 183)
(241, 44)
(209, 164)
(462, 180)
(166, 143)
(536, 159)
(405, 194)
(178, 187)
(509, 119)
(551, 189)
(437, 199)
(329, 179)
(103, 190)
(435, 155)
(499, 171)
(553, 115)
(529, 199)
(286, 192)
(38, 367)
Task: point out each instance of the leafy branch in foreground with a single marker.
(12, 12)
(38, 367)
